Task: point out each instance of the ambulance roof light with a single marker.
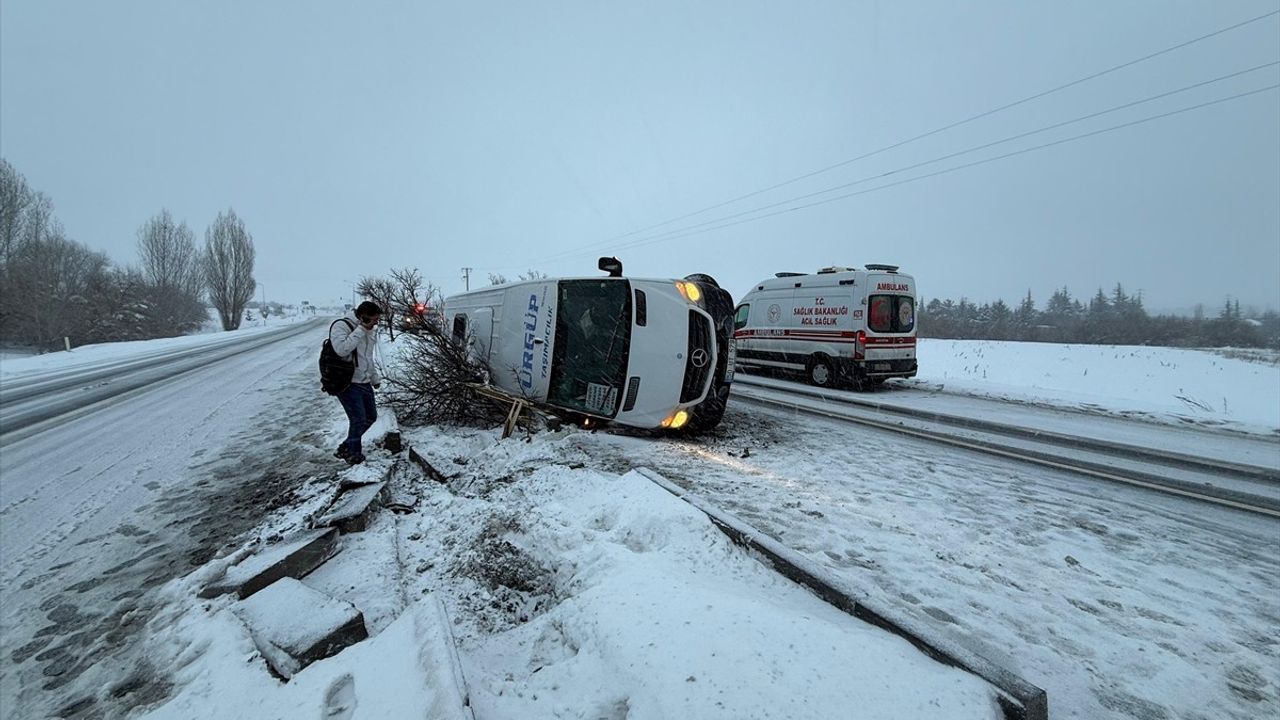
(787, 274)
(835, 269)
(886, 268)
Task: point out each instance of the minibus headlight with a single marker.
(690, 291)
(677, 421)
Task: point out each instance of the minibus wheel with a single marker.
(822, 372)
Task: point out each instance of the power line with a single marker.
(680, 232)
(687, 232)
(930, 133)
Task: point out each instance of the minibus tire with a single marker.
(821, 365)
(706, 416)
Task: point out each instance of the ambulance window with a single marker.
(880, 313)
(460, 328)
(740, 319)
(906, 316)
(891, 313)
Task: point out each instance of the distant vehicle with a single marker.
(840, 326)
(646, 353)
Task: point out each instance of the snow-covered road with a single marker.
(1119, 602)
(98, 511)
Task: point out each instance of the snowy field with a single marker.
(1237, 390)
(15, 366)
(578, 589)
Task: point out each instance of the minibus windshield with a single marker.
(593, 338)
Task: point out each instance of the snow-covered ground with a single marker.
(14, 367)
(578, 589)
(1235, 390)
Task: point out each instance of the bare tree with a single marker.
(46, 279)
(174, 276)
(383, 292)
(170, 258)
(498, 279)
(15, 198)
(228, 267)
(413, 298)
(53, 279)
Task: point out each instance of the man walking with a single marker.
(356, 339)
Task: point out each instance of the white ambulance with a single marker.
(840, 326)
(638, 352)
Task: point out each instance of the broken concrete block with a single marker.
(393, 443)
(427, 467)
(354, 509)
(400, 486)
(294, 557)
(293, 625)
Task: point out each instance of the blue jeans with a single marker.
(357, 400)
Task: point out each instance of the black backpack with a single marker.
(335, 371)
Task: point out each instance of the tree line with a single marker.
(1115, 318)
(55, 287)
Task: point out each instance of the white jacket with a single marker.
(364, 342)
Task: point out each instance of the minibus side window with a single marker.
(460, 328)
(740, 319)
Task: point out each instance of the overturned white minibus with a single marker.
(639, 352)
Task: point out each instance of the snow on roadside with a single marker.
(578, 592)
(1168, 384)
(31, 366)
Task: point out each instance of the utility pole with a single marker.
(466, 277)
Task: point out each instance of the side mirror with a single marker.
(611, 265)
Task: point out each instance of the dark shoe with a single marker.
(342, 453)
(355, 459)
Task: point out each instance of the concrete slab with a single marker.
(427, 467)
(354, 509)
(293, 625)
(293, 557)
(402, 486)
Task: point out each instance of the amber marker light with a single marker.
(690, 291)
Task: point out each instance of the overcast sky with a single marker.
(356, 137)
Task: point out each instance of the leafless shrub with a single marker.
(400, 296)
(377, 289)
(434, 382)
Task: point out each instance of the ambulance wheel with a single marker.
(822, 372)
